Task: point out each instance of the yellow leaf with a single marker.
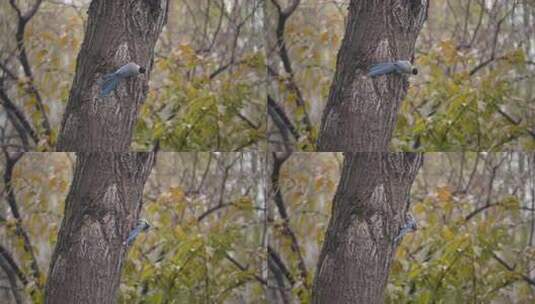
(447, 233)
(324, 37)
(176, 194)
(448, 50)
(419, 208)
(41, 54)
(443, 194)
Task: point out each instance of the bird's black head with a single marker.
(141, 70)
(415, 71)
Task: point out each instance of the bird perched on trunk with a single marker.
(400, 67)
(409, 226)
(142, 225)
(112, 80)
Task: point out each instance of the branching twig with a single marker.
(284, 14)
(17, 112)
(279, 202)
(512, 269)
(12, 280)
(23, 19)
(11, 161)
(212, 210)
(276, 273)
(13, 265)
(276, 259)
(274, 110)
(244, 268)
(480, 209)
(514, 121)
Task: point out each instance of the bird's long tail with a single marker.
(380, 69)
(130, 239)
(110, 83)
(132, 236)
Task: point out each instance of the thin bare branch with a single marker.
(513, 269)
(11, 161)
(283, 213)
(23, 20)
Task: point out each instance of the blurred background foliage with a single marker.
(206, 243)
(475, 241)
(474, 91)
(207, 88)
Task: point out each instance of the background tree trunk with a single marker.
(360, 114)
(368, 211)
(117, 32)
(101, 208)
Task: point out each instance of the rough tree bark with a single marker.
(360, 114)
(117, 32)
(368, 211)
(102, 206)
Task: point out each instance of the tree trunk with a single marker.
(101, 208)
(360, 114)
(368, 211)
(118, 32)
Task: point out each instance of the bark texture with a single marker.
(118, 32)
(368, 211)
(360, 114)
(102, 206)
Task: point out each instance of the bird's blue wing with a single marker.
(109, 84)
(380, 65)
(381, 69)
(108, 76)
(133, 234)
(401, 233)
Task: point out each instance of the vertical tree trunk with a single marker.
(360, 114)
(117, 32)
(101, 208)
(368, 211)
